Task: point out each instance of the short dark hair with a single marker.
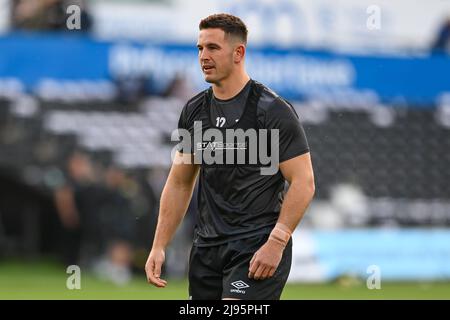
(230, 24)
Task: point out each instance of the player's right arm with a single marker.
(174, 202)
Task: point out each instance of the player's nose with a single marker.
(204, 56)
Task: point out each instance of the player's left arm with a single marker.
(298, 172)
(295, 166)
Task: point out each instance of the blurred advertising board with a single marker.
(43, 62)
(397, 254)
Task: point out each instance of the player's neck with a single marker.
(231, 87)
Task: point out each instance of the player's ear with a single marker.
(239, 53)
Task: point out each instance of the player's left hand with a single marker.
(265, 261)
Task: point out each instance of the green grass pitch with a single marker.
(34, 280)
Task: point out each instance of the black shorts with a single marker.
(221, 271)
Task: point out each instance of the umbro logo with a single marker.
(240, 284)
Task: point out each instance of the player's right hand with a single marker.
(153, 267)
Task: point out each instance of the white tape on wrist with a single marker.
(281, 234)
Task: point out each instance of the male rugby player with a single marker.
(242, 247)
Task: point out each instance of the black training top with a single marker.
(237, 201)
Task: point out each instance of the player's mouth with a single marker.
(207, 69)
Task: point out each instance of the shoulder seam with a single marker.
(196, 97)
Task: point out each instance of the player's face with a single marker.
(215, 54)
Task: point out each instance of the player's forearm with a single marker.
(173, 205)
(296, 201)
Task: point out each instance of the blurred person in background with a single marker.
(98, 218)
(145, 207)
(179, 87)
(442, 42)
(132, 89)
(47, 15)
(78, 202)
(117, 227)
